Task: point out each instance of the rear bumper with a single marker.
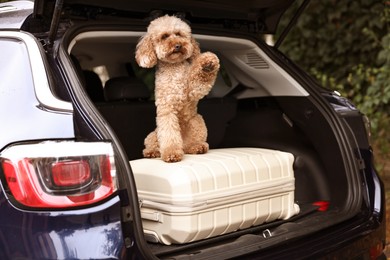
(90, 233)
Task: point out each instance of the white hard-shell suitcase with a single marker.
(215, 193)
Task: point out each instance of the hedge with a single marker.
(346, 46)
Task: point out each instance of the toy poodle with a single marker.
(184, 75)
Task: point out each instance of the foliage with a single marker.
(346, 46)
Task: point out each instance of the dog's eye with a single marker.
(178, 34)
(164, 36)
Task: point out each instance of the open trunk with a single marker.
(258, 101)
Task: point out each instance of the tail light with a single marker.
(59, 174)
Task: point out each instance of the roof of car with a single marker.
(13, 14)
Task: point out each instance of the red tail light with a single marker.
(59, 174)
(71, 173)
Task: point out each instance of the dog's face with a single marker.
(170, 40)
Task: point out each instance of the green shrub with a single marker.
(346, 46)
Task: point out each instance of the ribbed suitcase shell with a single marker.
(215, 193)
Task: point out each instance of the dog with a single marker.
(183, 76)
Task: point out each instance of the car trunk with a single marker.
(259, 100)
(242, 110)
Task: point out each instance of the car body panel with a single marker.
(27, 94)
(91, 233)
(32, 112)
(13, 15)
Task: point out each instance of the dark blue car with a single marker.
(75, 109)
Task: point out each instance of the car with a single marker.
(76, 107)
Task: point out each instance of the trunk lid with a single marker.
(264, 15)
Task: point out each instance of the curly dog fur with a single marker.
(184, 75)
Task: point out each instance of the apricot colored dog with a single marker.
(184, 75)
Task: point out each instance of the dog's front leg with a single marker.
(202, 75)
(169, 137)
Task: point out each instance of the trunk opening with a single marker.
(253, 104)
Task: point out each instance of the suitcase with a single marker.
(215, 193)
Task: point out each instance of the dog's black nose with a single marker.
(177, 47)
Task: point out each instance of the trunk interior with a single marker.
(254, 103)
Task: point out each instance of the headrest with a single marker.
(125, 88)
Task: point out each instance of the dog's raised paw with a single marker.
(209, 62)
(208, 66)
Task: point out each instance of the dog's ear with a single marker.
(196, 47)
(195, 50)
(145, 55)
